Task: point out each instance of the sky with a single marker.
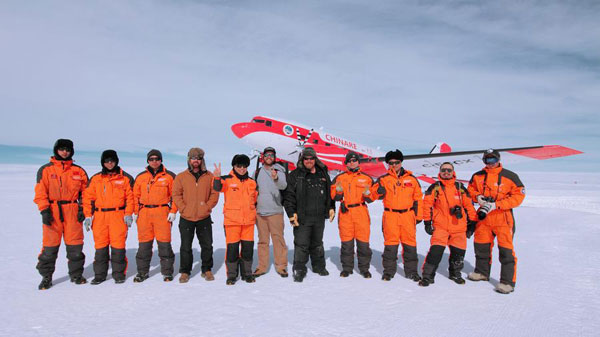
(135, 75)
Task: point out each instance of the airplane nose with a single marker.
(240, 129)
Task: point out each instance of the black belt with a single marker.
(397, 210)
(60, 203)
(153, 206)
(356, 205)
(109, 209)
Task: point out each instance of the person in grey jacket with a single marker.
(271, 182)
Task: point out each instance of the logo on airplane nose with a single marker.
(288, 130)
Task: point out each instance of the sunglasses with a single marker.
(269, 155)
(309, 158)
(446, 170)
(154, 159)
(109, 160)
(394, 162)
(63, 149)
(352, 160)
(196, 158)
(490, 160)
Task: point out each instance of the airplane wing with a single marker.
(427, 165)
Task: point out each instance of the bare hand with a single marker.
(331, 215)
(274, 174)
(217, 170)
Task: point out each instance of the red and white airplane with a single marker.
(289, 139)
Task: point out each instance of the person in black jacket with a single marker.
(308, 203)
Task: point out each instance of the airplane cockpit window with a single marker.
(258, 120)
(269, 123)
(315, 141)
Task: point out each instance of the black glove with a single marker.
(47, 217)
(429, 228)
(470, 228)
(381, 190)
(80, 215)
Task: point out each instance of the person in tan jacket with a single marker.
(194, 197)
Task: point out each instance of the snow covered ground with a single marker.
(557, 292)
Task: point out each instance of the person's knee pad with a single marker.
(233, 252)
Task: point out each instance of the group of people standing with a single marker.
(111, 201)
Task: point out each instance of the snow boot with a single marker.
(366, 274)
(167, 278)
(426, 282)
(78, 280)
(414, 276)
(184, 278)
(97, 280)
(283, 273)
(231, 281)
(474, 276)
(299, 275)
(258, 273)
(504, 288)
(120, 280)
(46, 283)
(387, 277)
(140, 277)
(250, 279)
(457, 279)
(345, 273)
(208, 275)
(323, 272)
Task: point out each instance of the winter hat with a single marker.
(66, 143)
(491, 153)
(240, 159)
(155, 153)
(109, 154)
(309, 152)
(350, 155)
(391, 155)
(269, 149)
(195, 152)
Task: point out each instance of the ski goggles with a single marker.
(490, 160)
(446, 170)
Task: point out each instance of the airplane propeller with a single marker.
(300, 145)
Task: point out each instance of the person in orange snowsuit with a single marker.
(155, 212)
(401, 194)
(498, 191)
(58, 190)
(352, 189)
(239, 210)
(447, 209)
(108, 207)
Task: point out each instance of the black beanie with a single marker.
(240, 159)
(391, 155)
(349, 156)
(153, 153)
(66, 143)
(112, 154)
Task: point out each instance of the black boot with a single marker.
(414, 276)
(97, 280)
(323, 272)
(387, 277)
(366, 274)
(46, 283)
(425, 282)
(299, 275)
(345, 273)
(231, 281)
(167, 278)
(141, 277)
(78, 280)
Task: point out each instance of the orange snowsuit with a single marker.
(239, 210)
(109, 197)
(152, 200)
(402, 205)
(354, 221)
(439, 199)
(402, 202)
(59, 187)
(507, 190)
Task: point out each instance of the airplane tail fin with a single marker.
(441, 147)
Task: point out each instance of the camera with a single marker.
(483, 211)
(457, 212)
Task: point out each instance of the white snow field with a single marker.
(557, 293)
